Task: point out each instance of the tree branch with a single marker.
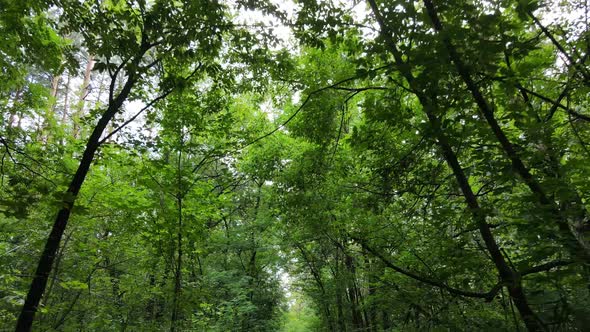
(558, 104)
(150, 104)
(545, 267)
(489, 296)
(307, 99)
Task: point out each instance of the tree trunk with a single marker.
(508, 276)
(372, 280)
(56, 269)
(324, 301)
(357, 319)
(13, 110)
(54, 88)
(339, 305)
(580, 247)
(27, 314)
(82, 96)
(178, 274)
(64, 115)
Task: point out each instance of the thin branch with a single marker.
(489, 296)
(578, 136)
(150, 104)
(475, 228)
(344, 108)
(579, 66)
(546, 267)
(17, 163)
(558, 104)
(113, 76)
(360, 89)
(307, 99)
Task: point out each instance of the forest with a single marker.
(294, 165)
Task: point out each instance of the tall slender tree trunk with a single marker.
(84, 90)
(66, 109)
(580, 247)
(339, 305)
(251, 267)
(13, 110)
(324, 301)
(27, 314)
(340, 310)
(511, 278)
(56, 269)
(371, 311)
(357, 319)
(114, 275)
(178, 274)
(54, 88)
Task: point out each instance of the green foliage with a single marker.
(306, 187)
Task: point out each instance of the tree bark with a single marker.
(64, 115)
(54, 88)
(27, 314)
(351, 289)
(82, 96)
(178, 274)
(56, 269)
(509, 277)
(581, 248)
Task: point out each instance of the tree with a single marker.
(142, 40)
(388, 165)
